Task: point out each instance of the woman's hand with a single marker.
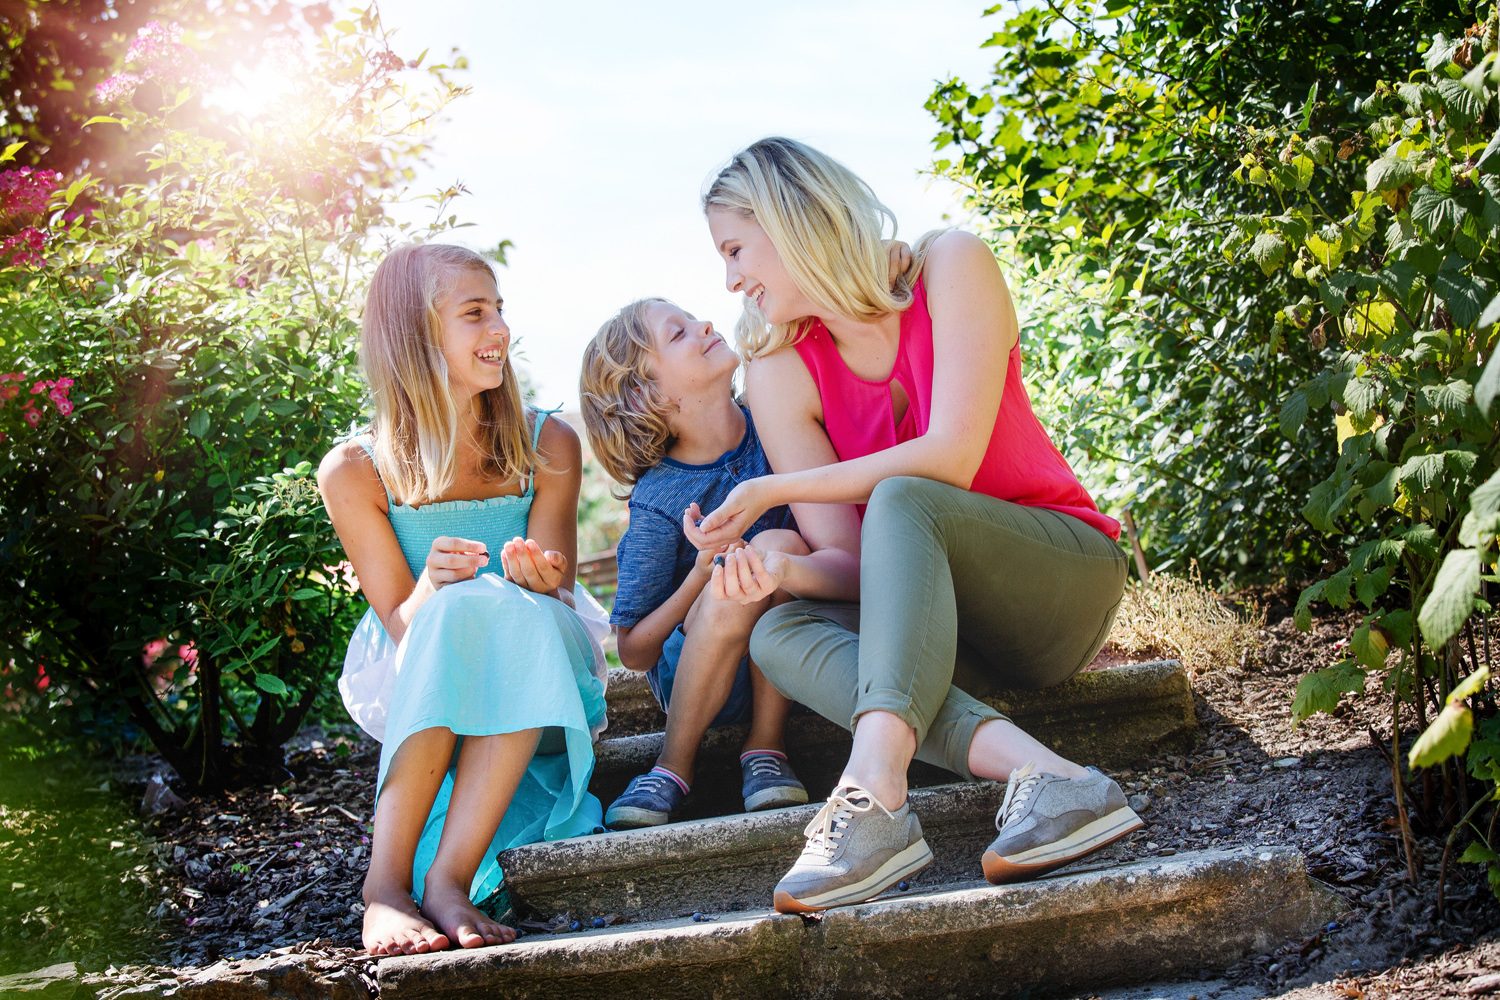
(734, 517)
(526, 565)
(746, 576)
(453, 559)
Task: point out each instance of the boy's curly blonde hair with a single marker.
(624, 412)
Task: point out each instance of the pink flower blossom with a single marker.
(33, 417)
(151, 652)
(64, 384)
(241, 281)
(157, 53)
(188, 654)
(118, 88)
(25, 247)
(9, 392)
(26, 190)
(39, 387)
(64, 406)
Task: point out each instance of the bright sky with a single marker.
(593, 126)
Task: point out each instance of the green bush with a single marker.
(204, 316)
(1258, 244)
(1100, 154)
(1398, 265)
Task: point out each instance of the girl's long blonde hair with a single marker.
(828, 228)
(417, 416)
(625, 414)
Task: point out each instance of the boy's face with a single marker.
(690, 362)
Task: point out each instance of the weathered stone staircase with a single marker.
(687, 906)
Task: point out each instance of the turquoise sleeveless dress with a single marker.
(483, 657)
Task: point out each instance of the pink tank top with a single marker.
(1021, 465)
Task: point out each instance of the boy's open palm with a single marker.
(526, 565)
(453, 559)
(745, 576)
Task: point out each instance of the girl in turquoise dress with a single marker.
(478, 663)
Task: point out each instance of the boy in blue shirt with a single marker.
(658, 403)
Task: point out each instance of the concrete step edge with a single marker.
(1148, 918)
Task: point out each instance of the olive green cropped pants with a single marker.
(961, 594)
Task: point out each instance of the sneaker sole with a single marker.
(999, 869)
(776, 798)
(902, 864)
(633, 818)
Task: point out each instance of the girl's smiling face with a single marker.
(753, 268)
(688, 357)
(475, 338)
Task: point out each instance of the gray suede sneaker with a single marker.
(1046, 821)
(856, 849)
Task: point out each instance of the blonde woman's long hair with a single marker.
(625, 414)
(417, 417)
(828, 228)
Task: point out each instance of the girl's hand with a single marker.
(453, 559)
(901, 258)
(734, 517)
(526, 565)
(746, 577)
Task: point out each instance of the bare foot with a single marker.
(394, 926)
(448, 906)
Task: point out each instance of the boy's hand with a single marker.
(526, 565)
(900, 259)
(706, 559)
(453, 559)
(744, 576)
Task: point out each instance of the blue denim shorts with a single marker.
(660, 678)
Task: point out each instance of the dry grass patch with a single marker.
(1179, 617)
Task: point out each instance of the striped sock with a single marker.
(761, 753)
(658, 769)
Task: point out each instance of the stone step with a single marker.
(726, 863)
(1132, 923)
(1113, 718)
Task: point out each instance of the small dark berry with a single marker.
(903, 885)
(698, 918)
(597, 922)
(718, 560)
(576, 925)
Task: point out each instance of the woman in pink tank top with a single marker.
(900, 432)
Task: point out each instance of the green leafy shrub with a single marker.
(204, 316)
(1257, 246)
(1099, 155)
(1398, 262)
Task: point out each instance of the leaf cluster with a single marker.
(206, 312)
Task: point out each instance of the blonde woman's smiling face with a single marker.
(753, 268)
(475, 338)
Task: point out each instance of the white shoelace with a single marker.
(1018, 789)
(832, 821)
(764, 765)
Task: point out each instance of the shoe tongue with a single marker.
(859, 798)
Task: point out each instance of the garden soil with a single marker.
(279, 869)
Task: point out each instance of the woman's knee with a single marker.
(781, 540)
(903, 502)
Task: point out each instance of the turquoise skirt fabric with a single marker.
(485, 657)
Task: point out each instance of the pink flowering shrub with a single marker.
(178, 349)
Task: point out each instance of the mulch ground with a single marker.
(262, 870)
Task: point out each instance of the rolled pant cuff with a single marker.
(898, 703)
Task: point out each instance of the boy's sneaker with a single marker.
(649, 800)
(768, 782)
(856, 849)
(1046, 821)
